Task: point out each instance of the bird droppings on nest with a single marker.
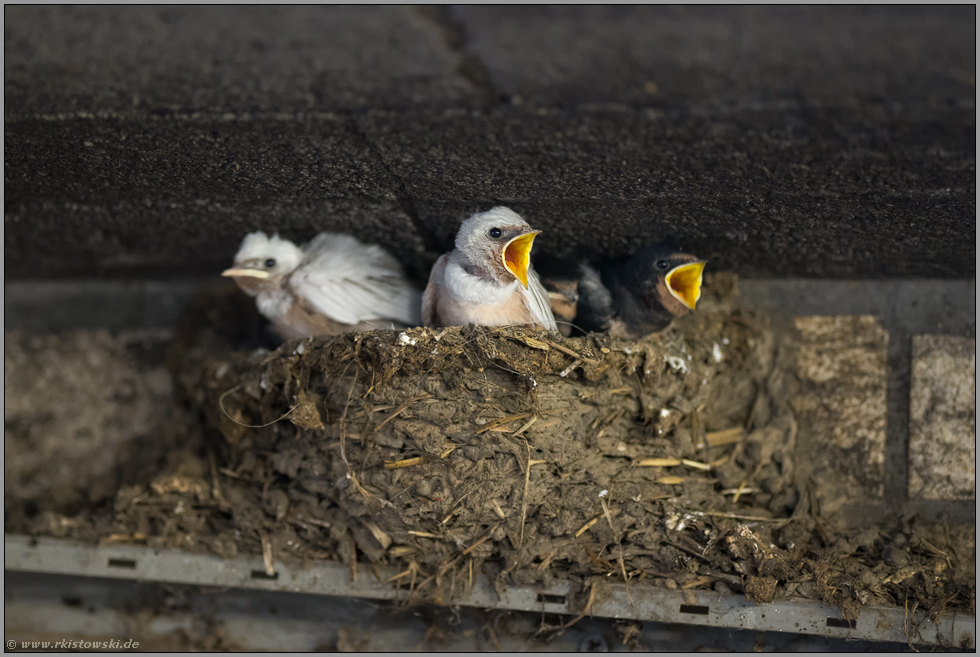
(466, 450)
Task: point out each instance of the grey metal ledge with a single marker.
(62, 557)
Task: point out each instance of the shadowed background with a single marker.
(839, 142)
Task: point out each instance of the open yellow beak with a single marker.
(251, 273)
(684, 283)
(517, 255)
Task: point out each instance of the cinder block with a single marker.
(943, 418)
(842, 407)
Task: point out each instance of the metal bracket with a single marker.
(644, 603)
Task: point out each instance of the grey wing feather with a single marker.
(538, 302)
(430, 314)
(352, 282)
(595, 302)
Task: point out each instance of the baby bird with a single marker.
(635, 296)
(487, 279)
(334, 284)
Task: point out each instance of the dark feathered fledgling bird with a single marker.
(332, 285)
(629, 297)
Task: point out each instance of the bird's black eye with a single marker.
(270, 263)
(495, 233)
(663, 264)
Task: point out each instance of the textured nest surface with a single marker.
(528, 457)
(533, 456)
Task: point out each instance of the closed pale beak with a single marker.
(251, 273)
(684, 283)
(517, 255)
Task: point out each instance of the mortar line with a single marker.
(407, 202)
(471, 67)
(897, 399)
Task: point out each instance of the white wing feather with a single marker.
(351, 282)
(537, 301)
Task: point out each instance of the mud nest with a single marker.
(530, 458)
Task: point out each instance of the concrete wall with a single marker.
(805, 141)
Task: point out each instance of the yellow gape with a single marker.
(517, 255)
(684, 283)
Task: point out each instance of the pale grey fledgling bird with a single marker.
(331, 285)
(488, 279)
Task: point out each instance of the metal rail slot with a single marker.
(698, 610)
(841, 622)
(550, 599)
(261, 574)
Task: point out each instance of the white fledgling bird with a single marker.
(488, 279)
(331, 285)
